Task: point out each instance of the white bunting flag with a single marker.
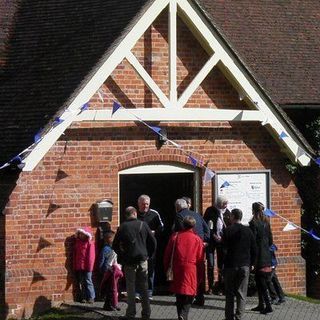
(289, 227)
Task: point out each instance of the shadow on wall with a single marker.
(41, 305)
(71, 279)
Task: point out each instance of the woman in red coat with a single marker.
(185, 250)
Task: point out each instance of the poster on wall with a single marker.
(242, 188)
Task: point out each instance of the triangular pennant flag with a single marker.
(283, 135)
(318, 161)
(37, 276)
(37, 136)
(85, 107)
(21, 165)
(289, 227)
(43, 243)
(57, 121)
(155, 129)
(269, 213)
(300, 152)
(100, 94)
(225, 184)
(116, 106)
(208, 175)
(313, 235)
(52, 207)
(193, 160)
(61, 175)
(16, 160)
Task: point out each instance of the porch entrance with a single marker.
(164, 184)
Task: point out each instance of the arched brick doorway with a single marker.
(164, 183)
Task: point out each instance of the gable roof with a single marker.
(279, 41)
(54, 48)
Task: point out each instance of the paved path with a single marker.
(163, 308)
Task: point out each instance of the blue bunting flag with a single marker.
(225, 184)
(116, 106)
(155, 129)
(269, 213)
(283, 135)
(193, 160)
(313, 235)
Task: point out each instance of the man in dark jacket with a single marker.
(202, 230)
(218, 218)
(153, 220)
(134, 243)
(240, 254)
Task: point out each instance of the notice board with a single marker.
(242, 188)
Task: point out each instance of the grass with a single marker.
(304, 298)
(55, 313)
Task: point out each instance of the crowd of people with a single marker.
(218, 236)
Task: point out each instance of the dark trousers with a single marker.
(263, 280)
(236, 285)
(183, 303)
(275, 288)
(210, 251)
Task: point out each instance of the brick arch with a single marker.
(144, 156)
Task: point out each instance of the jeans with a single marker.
(210, 250)
(236, 285)
(137, 279)
(86, 285)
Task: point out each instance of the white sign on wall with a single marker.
(243, 188)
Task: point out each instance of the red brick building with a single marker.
(179, 65)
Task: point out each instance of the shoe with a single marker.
(274, 301)
(281, 301)
(209, 292)
(266, 310)
(138, 299)
(90, 301)
(117, 308)
(198, 302)
(257, 308)
(109, 308)
(150, 297)
(83, 301)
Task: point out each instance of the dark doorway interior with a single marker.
(163, 190)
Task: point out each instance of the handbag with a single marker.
(169, 272)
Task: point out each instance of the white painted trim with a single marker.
(147, 79)
(197, 80)
(173, 52)
(254, 94)
(96, 81)
(157, 168)
(170, 114)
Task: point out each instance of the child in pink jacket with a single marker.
(83, 262)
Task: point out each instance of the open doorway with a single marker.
(164, 184)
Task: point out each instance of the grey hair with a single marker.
(181, 204)
(221, 200)
(144, 197)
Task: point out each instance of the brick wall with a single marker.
(49, 203)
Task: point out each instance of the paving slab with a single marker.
(163, 308)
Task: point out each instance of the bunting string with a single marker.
(209, 174)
